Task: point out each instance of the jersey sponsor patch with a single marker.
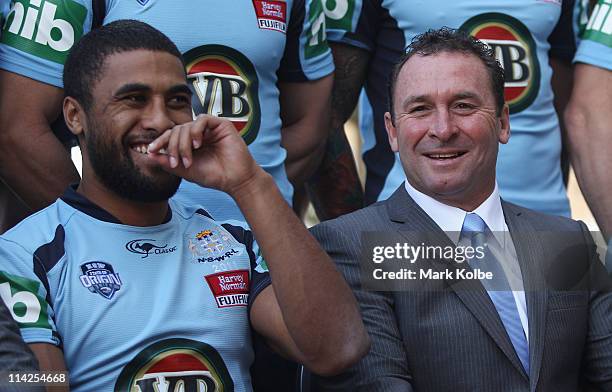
(316, 37)
(148, 247)
(515, 49)
(44, 28)
(224, 84)
(176, 365)
(100, 277)
(599, 28)
(339, 14)
(271, 15)
(212, 245)
(230, 288)
(21, 296)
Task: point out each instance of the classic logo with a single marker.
(23, 301)
(99, 277)
(271, 15)
(515, 49)
(44, 28)
(146, 246)
(599, 28)
(209, 246)
(225, 84)
(230, 288)
(176, 365)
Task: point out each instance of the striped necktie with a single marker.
(475, 229)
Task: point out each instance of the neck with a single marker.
(128, 212)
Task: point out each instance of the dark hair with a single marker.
(450, 40)
(84, 65)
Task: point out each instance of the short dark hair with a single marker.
(450, 40)
(84, 65)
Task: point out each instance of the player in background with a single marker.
(588, 118)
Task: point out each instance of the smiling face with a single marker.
(446, 129)
(140, 95)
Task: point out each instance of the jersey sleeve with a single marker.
(260, 276)
(307, 55)
(596, 41)
(24, 288)
(353, 22)
(36, 39)
(564, 38)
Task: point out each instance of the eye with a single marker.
(179, 101)
(464, 106)
(417, 109)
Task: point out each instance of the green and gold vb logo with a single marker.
(224, 84)
(175, 365)
(515, 49)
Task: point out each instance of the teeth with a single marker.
(443, 156)
(143, 149)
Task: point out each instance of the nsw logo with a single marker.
(146, 247)
(100, 277)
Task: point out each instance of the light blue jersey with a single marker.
(235, 53)
(522, 33)
(134, 307)
(596, 44)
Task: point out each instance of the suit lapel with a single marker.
(409, 217)
(530, 254)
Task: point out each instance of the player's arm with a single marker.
(561, 82)
(588, 123)
(33, 162)
(335, 188)
(308, 313)
(50, 359)
(305, 115)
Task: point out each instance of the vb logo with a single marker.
(225, 84)
(44, 28)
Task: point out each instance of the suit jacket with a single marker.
(452, 339)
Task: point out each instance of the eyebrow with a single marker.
(424, 98)
(140, 87)
(132, 88)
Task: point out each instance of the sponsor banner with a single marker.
(230, 288)
(271, 15)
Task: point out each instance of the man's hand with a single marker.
(208, 151)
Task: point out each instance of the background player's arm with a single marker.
(50, 358)
(305, 115)
(309, 312)
(33, 162)
(588, 121)
(561, 82)
(335, 189)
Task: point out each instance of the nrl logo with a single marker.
(145, 247)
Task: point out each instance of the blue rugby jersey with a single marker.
(523, 33)
(135, 306)
(235, 53)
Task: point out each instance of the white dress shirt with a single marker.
(450, 220)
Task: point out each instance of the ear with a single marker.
(391, 132)
(74, 115)
(504, 125)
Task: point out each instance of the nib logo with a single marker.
(44, 28)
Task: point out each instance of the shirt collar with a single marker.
(83, 204)
(450, 219)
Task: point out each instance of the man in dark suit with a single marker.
(542, 323)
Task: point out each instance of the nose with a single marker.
(442, 126)
(156, 116)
